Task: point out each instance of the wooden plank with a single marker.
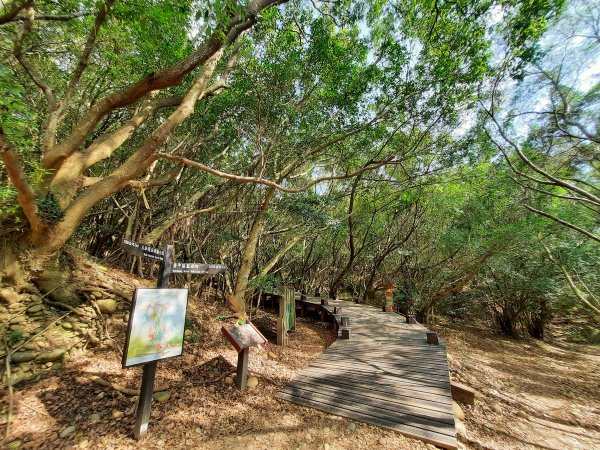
(390, 363)
(382, 379)
(393, 411)
(434, 407)
(441, 440)
(462, 393)
(353, 367)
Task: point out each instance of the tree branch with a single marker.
(169, 76)
(563, 222)
(15, 8)
(29, 68)
(25, 194)
(56, 114)
(263, 181)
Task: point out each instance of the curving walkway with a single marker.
(385, 374)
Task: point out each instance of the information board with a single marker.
(243, 336)
(156, 325)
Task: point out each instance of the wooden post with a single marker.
(302, 309)
(242, 369)
(432, 338)
(145, 401)
(322, 314)
(346, 333)
(282, 336)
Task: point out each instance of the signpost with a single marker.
(242, 337)
(167, 267)
(145, 401)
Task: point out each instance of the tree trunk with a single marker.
(243, 275)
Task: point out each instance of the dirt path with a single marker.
(531, 394)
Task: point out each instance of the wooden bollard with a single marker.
(345, 322)
(410, 319)
(432, 338)
(346, 333)
(242, 369)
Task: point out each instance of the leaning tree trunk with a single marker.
(243, 274)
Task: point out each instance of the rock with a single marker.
(212, 413)
(351, 426)
(22, 357)
(312, 431)
(187, 333)
(15, 307)
(107, 305)
(9, 296)
(458, 412)
(382, 441)
(496, 408)
(162, 396)
(460, 427)
(35, 308)
(97, 294)
(228, 380)
(18, 319)
(35, 298)
(84, 443)
(252, 382)
(94, 418)
(14, 445)
(67, 431)
(100, 396)
(57, 284)
(30, 346)
(326, 430)
(271, 355)
(326, 446)
(522, 415)
(67, 325)
(20, 377)
(117, 414)
(51, 356)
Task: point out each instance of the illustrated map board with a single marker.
(243, 336)
(156, 325)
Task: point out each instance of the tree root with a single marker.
(119, 388)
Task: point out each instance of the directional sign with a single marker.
(199, 268)
(137, 249)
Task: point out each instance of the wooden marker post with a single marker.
(241, 378)
(242, 337)
(145, 401)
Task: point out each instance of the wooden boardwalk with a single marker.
(385, 374)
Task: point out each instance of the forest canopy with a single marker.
(321, 144)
